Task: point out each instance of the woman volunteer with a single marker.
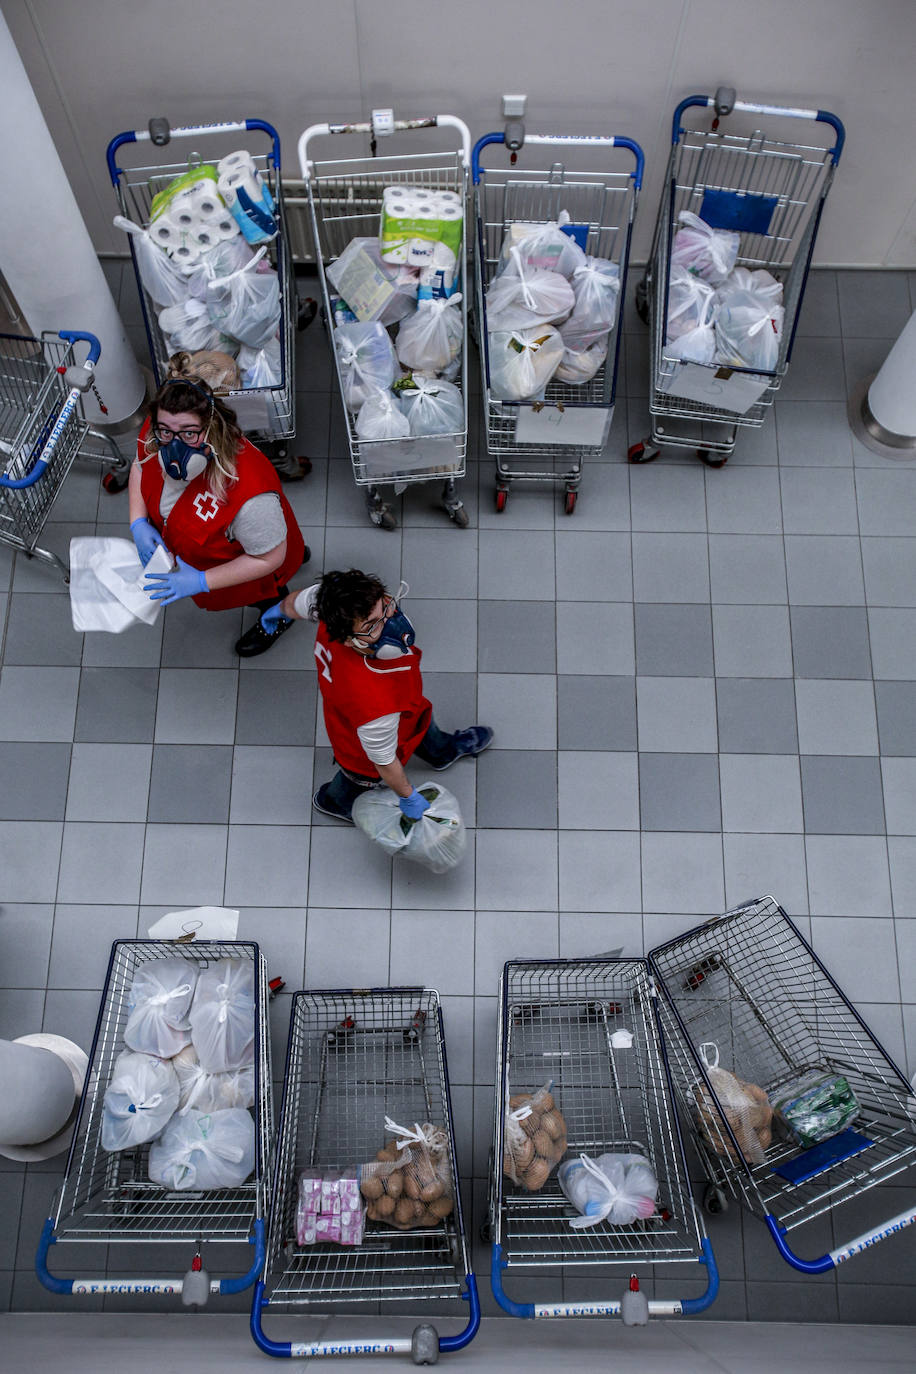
(200, 490)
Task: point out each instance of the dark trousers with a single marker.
(436, 748)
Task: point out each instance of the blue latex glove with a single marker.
(414, 805)
(273, 618)
(172, 586)
(146, 537)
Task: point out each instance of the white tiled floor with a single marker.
(703, 687)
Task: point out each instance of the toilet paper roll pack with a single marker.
(415, 218)
(247, 196)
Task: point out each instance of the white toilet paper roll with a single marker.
(185, 254)
(225, 226)
(164, 232)
(449, 212)
(232, 162)
(247, 179)
(181, 213)
(448, 198)
(205, 236)
(207, 202)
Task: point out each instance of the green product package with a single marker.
(816, 1106)
(396, 232)
(193, 177)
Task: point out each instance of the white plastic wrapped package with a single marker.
(373, 288)
(261, 366)
(224, 258)
(163, 281)
(521, 297)
(189, 326)
(139, 1100)
(433, 406)
(437, 840)
(618, 1188)
(210, 1092)
(246, 304)
(749, 320)
(203, 1151)
(543, 246)
(381, 416)
(596, 287)
(706, 252)
(106, 584)
(222, 1016)
(158, 1004)
(522, 361)
(577, 368)
(430, 339)
(367, 361)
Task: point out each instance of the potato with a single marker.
(411, 1185)
(430, 1191)
(405, 1211)
(536, 1175)
(509, 1164)
(553, 1123)
(441, 1206)
(383, 1156)
(545, 1103)
(524, 1153)
(371, 1186)
(383, 1207)
(518, 1100)
(394, 1183)
(765, 1137)
(544, 1146)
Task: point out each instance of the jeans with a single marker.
(435, 748)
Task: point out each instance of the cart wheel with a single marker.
(486, 1232)
(424, 1344)
(641, 300)
(502, 496)
(571, 502)
(714, 1200)
(306, 312)
(384, 518)
(711, 462)
(115, 480)
(643, 452)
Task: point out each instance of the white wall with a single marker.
(614, 66)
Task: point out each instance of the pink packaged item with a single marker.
(329, 1207)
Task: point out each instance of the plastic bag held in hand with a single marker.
(429, 340)
(367, 361)
(706, 252)
(521, 297)
(222, 1016)
(437, 840)
(205, 1151)
(158, 1004)
(618, 1188)
(139, 1100)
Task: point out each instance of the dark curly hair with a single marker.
(344, 598)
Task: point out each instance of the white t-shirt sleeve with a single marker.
(379, 738)
(304, 603)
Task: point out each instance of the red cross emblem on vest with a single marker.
(206, 505)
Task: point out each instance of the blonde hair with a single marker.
(183, 394)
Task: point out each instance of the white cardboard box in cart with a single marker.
(715, 386)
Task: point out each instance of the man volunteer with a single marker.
(375, 712)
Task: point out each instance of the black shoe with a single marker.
(289, 467)
(474, 740)
(257, 640)
(327, 808)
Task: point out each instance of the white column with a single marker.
(47, 254)
(883, 412)
(36, 1094)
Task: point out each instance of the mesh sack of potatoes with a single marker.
(745, 1106)
(534, 1138)
(409, 1184)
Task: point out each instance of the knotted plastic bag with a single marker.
(367, 361)
(163, 281)
(409, 1185)
(522, 362)
(749, 320)
(744, 1105)
(189, 326)
(381, 416)
(523, 296)
(437, 840)
(139, 1100)
(430, 339)
(432, 406)
(246, 304)
(577, 368)
(543, 246)
(158, 1004)
(222, 1016)
(620, 1189)
(209, 1092)
(706, 252)
(534, 1138)
(262, 367)
(596, 286)
(204, 1150)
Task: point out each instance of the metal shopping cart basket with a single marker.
(769, 187)
(547, 440)
(353, 1059)
(589, 1029)
(42, 431)
(109, 1198)
(265, 413)
(345, 202)
(750, 985)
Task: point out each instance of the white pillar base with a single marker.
(77, 1061)
(874, 436)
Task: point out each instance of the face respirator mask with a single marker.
(181, 462)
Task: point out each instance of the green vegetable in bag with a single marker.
(816, 1106)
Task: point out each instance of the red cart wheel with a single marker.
(641, 453)
(571, 501)
(113, 482)
(502, 496)
(711, 461)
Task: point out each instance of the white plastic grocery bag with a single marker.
(706, 252)
(521, 297)
(749, 320)
(158, 1004)
(246, 304)
(437, 840)
(139, 1100)
(433, 406)
(618, 1188)
(522, 361)
(209, 1092)
(381, 416)
(261, 367)
(543, 246)
(163, 281)
(189, 326)
(596, 286)
(691, 303)
(577, 368)
(429, 340)
(222, 1016)
(204, 1151)
(106, 584)
(367, 361)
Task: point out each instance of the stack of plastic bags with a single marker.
(550, 311)
(186, 1079)
(215, 290)
(398, 323)
(717, 312)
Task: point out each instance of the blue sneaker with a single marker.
(323, 803)
(474, 740)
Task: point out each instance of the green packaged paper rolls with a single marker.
(816, 1106)
(414, 220)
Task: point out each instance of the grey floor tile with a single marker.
(887, 501)
(429, 573)
(447, 634)
(516, 565)
(505, 935)
(38, 703)
(599, 870)
(794, 1301)
(422, 941)
(521, 708)
(747, 569)
(196, 706)
(512, 637)
(842, 795)
(676, 713)
(824, 570)
(596, 712)
(530, 506)
(346, 869)
(595, 637)
(116, 705)
(516, 870)
(744, 500)
(679, 792)
(901, 853)
(816, 372)
(593, 566)
(899, 777)
(767, 865)
(673, 641)
(813, 434)
(836, 717)
(683, 873)
(185, 866)
(21, 1007)
(270, 785)
(415, 888)
(33, 780)
(363, 933)
(604, 498)
(872, 303)
(453, 697)
(101, 862)
(670, 567)
(190, 783)
(11, 1186)
(199, 639)
(890, 571)
(34, 574)
(667, 499)
(276, 707)
(81, 947)
(268, 864)
(819, 501)
(72, 1013)
(585, 934)
(752, 641)
(25, 944)
(280, 935)
(892, 632)
(896, 707)
(109, 782)
(364, 546)
(517, 789)
(597, 790)
(848, 875)
(831, 641)
(30, 856)
(860, 954)
(138, 647)
(820, 312)
(760, 792)
(40, 633)
(756, 715)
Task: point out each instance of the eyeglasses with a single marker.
(371, 627)
(166, 435)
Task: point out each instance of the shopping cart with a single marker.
(108, 1197)
(769, 187)
(353, 1059)
(345, 202)
(547, 440)
(749, 984)
(265, 413)
(591, 1029)
(42, 431)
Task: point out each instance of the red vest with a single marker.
(356, 689)
(195, 529)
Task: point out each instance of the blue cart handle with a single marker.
(567, 141)
(73, 336)
(79, 378)
(191, 131)
(843, 1252)
(822, 116)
